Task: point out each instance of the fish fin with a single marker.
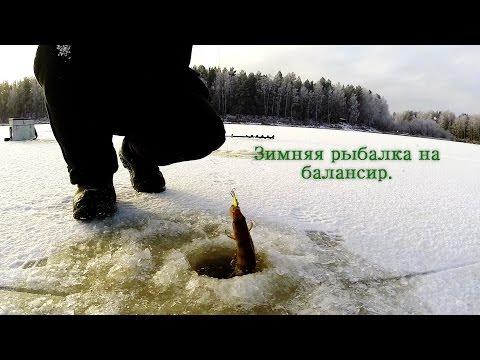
(230, 235)
(250, 225)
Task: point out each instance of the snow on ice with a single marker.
(409, 245)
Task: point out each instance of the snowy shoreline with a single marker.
(338, 126)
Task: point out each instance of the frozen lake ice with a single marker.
(409, 245)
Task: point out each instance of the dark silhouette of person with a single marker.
(160, 106)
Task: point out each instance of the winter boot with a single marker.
(94, 202)
(144, 177)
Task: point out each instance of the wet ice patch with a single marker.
(151, 267)
(239, 153)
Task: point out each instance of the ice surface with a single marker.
(406, 245)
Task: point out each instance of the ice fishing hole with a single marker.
(216, 262)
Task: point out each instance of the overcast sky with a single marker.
(410, 77)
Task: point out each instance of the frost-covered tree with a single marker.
(318, 99)
(461, 126)
(367, 108)
(337, 104)
(264, 88)
(304, 102)
(475, 130)
(14, 107)
(4, 95)
(354, 110)
(446, 120)
(289, 87)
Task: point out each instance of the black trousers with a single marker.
(159, 105)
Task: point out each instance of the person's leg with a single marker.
(188, 128)
(191, 134)
(80, 127)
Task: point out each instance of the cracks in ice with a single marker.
(421, 273)
(34, 291)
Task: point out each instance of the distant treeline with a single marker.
(23, 98)
(281, 99)
(289, 100)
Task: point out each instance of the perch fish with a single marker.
(245, 260)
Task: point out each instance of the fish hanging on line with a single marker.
(245, 260)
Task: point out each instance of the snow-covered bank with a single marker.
(405, 245)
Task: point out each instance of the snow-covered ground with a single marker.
(406, 245)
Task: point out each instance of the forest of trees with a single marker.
(289, 100)
(23, 98)
(281, 99)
